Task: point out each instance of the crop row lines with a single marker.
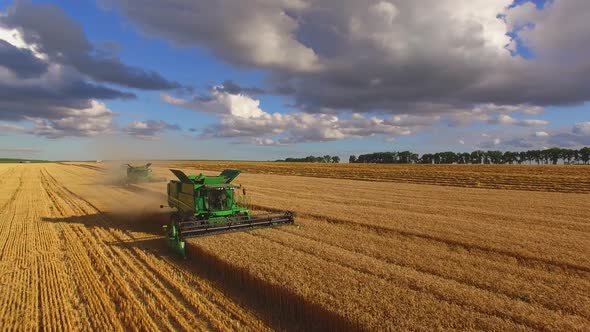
(180, 306)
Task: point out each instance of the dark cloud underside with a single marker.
(393, 56)
(21, 62)
(62, 39)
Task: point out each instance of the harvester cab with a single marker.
(208, 204)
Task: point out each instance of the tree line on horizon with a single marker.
(312, 159)
(547, 156)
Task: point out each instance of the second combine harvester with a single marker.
(137, 174)
(207, 204)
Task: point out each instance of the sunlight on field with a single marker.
(79, 251)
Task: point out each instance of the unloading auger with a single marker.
(206, 204)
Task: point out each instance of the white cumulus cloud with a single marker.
(505, 119)
(95, 120)
(582, 128)
(241, 117)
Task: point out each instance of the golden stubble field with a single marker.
(79, 251)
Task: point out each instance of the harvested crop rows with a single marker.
(66, 266)
(362, 255)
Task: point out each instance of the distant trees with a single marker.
(464, 158)
(403, 157)
(312, 159)
(510, 157)
(584, 155)
(547, 156)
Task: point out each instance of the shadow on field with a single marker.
(278, 306)
(146, 222)
(144, 231)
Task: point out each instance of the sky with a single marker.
(270, 79)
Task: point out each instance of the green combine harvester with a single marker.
(136, 174)
(207, 204)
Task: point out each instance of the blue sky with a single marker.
(204, 62)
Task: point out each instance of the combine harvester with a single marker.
(137, 174)
(206, 205)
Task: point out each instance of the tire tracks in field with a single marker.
(176, 299)
(10, 199)
(9, 226)
(57, 299)
(99, 310)
(523, 259)
(4, 176)
(127, 291)
(16, 303)
(20, 253)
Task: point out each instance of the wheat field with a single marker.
(552, 178)
(67, 266)
(406, 248)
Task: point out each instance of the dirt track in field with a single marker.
(363, 255)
